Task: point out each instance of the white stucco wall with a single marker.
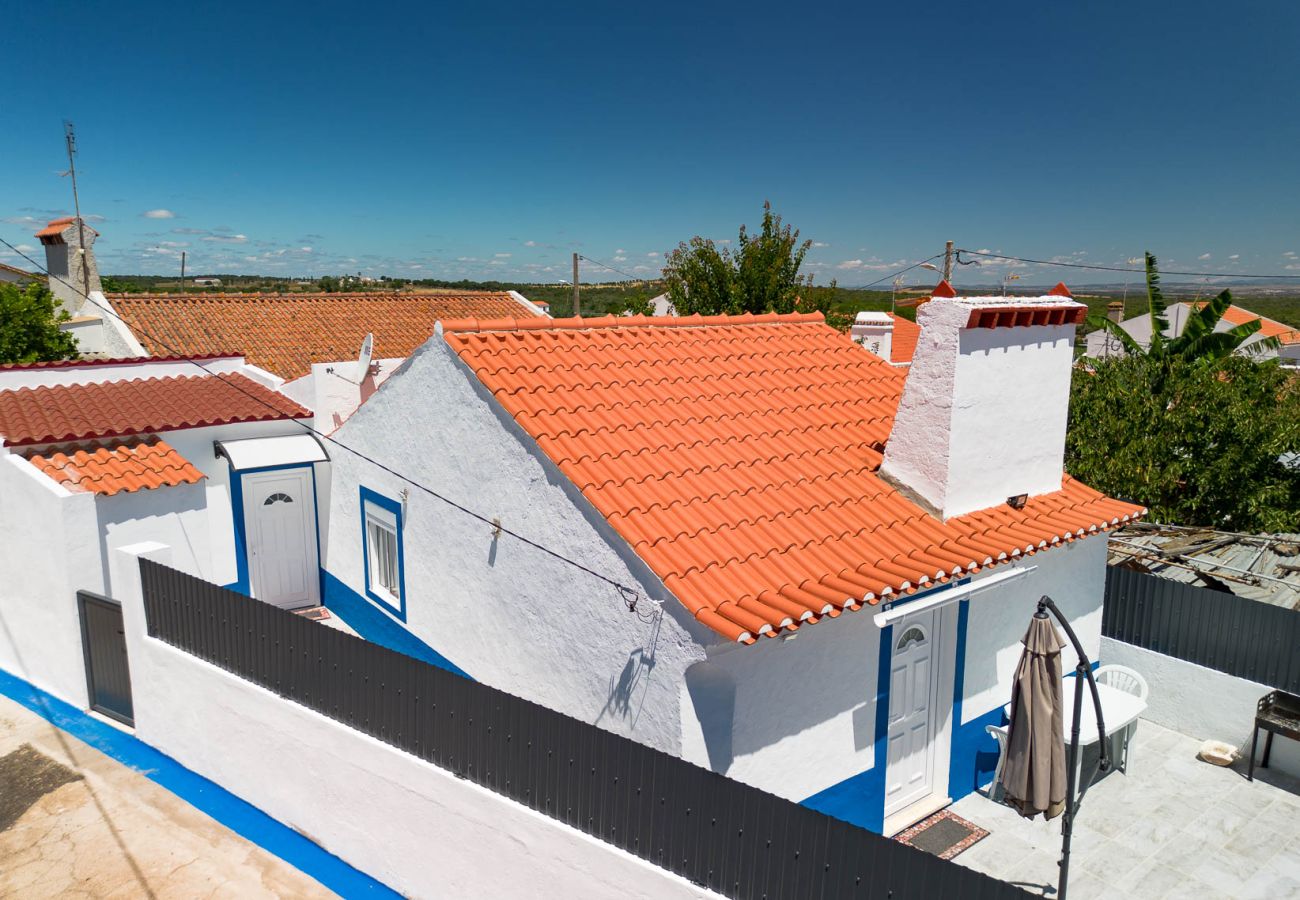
(416, 827)
(51, 376)
(49, 549)
(504, 612)
(333, 391)
(1203, 703)
(984, 410)
(803, 713)
(1074, 576)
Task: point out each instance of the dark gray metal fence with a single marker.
(1221, 631)
(719, 833)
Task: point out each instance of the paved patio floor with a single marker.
(75, 823)
(1172, 827)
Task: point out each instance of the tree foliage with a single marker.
(29, 326)
(1200, 441)
(760, 275)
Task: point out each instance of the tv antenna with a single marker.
(70, 137)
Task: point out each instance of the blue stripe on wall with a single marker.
(374, 625)
(240, 817)
(860, 799)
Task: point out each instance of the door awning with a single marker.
(265, 452)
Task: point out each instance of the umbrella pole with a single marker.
(1082, 670)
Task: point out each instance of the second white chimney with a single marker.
(875, 331)
(983, 414)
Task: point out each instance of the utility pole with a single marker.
(71, 139)
(577, 310)
(947, 262)
(182, 271)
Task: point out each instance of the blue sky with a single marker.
(492, 140)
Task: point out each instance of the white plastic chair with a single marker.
(1122, 678)
(999, 733)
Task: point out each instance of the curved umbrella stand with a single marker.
(1031, 781)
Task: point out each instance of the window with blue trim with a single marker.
(383, 550)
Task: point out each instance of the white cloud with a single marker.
(304, 249)
(1290, 254)
(158, 214)
(1204, 256)
(530, 243)
(1294, 267)
(651, 255)
(29, 221)
(501, 255)
(1235, 256)
(227, 238)
(173, 243)
(850, 264)
(820, 244)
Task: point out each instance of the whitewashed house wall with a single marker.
(505, 613)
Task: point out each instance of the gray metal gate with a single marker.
(103, 640)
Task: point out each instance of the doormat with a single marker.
(27, 775)
(944, 834)
(315, 613)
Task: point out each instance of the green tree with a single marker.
(1199, 441)
(29, 326)
(761, 275)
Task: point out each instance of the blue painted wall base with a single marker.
(378, 627)
(240, 817)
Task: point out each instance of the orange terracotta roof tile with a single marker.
(76, 412)
(1235, 315)
(55, 227)
(118, 467)
(737, 455)
(286, 333)
(902, 345)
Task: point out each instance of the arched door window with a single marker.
(912, 635)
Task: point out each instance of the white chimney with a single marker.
(983, 414)
(73, 273)
(875, 331)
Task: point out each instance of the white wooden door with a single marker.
(280, 527)
(909, 776)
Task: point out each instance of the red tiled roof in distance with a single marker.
(1235, 315)
(737, 455)
(902, 345)
(286, 333)
(117, 361)
(76, 412)
(134, 465)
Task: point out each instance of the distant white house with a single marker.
(12, 275)
(1101, 343)
(766, 550)
(206, 282)
(101, 454)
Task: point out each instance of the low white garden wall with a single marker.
(413, 826)
(1202, 703)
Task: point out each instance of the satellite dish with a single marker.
(363, 358)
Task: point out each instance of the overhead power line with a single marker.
(631, 596)
(863, 287)
(612, 269)
(1131, 271)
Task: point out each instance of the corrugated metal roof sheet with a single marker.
(1264, 567)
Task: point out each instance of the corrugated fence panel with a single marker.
(1232, 634)
(730, 837)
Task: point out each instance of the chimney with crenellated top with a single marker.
(983, 413)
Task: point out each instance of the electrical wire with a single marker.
(630, 596)
(612, 269)
(863, 287)
(1045, 262)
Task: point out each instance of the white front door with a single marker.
(280, 528)
(909, 775)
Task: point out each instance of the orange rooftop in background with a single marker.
(285, 333)
(738, 456)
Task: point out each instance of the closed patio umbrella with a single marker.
(1034, 775)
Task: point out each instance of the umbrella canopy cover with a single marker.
(1033, 776)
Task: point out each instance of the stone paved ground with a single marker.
(1172, 827)
(82, 825)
